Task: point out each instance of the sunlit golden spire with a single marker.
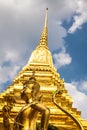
(44, 36)
(42, 55)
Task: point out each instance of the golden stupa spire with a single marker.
(42, 54)
(44, 36)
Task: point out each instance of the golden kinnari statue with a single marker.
(27, 116)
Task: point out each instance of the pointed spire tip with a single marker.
(46, 17)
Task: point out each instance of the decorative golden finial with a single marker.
(44, 36)
(46, 18)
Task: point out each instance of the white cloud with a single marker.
(11, 56)
(81, 16)
(79, 98)
(61, 59)
(7, 73)
(82, 85)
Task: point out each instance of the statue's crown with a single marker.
(32, 79)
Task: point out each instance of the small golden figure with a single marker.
(6, 120)
(27, 116)
(10, 100)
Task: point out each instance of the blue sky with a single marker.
(77, 48)
(21, 24)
